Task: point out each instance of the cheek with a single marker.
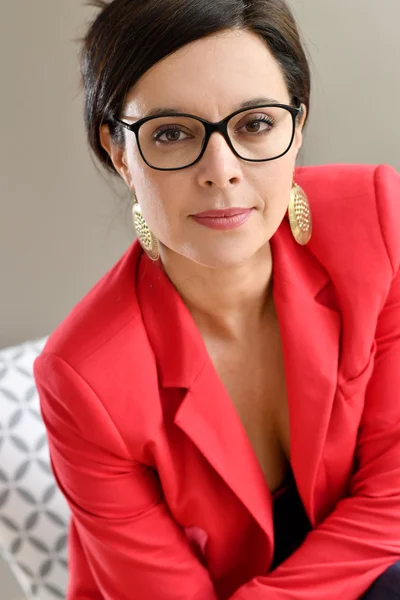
(160, 197)
(158, 203)
(277, 183)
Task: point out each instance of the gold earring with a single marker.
(146, 237)
(300, 216)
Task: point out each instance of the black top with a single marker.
(291, 523)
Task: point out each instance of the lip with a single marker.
(220, 214)
(223, 220)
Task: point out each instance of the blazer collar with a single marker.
(177, 344)
(310, 330)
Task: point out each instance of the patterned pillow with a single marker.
(33, 513)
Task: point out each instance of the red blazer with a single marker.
(167, 497)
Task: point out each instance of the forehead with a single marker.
(210, 77)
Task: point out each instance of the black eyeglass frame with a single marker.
(210, 128)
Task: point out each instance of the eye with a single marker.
(255, 124)
(172, 134)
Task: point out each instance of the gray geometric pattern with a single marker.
(34, 515)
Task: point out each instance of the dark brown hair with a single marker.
(128, 37)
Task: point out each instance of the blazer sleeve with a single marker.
(133, 548)
(360, 539)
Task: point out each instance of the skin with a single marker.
(224, 277)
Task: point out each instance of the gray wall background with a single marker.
(62, 225)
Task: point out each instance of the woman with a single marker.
(222, 407)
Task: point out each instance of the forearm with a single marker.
(339, 559)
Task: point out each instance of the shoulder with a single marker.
(106, 313)
(356, 212)
(98, 367)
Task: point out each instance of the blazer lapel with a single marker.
(206, 414)
(209, 418)
(310, 326)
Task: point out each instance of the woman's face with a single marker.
(209, 78)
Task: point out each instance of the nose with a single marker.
(219, 166)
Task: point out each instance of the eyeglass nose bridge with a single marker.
(220, 127)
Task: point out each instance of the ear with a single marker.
(298, 138)
(116, 153)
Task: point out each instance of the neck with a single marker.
(224, 302)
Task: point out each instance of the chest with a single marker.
(254, 377)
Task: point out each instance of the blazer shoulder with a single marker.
(356, 214)
(99, 365)
(387, 189)
(106, 310)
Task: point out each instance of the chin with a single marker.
(224, 256)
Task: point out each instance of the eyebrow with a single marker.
(162, 112)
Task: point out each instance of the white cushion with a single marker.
(34, 515)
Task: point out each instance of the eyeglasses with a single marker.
(178, 140)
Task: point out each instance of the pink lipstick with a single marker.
(223, 220)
